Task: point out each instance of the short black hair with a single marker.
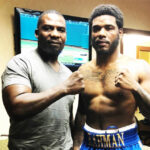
(107, 9)
(47, 12)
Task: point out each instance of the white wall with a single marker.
(130, 41)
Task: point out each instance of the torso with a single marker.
(105, 104)
(35, 73)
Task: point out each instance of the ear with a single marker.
(37, 33)
(121, 33)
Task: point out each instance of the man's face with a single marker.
(51, 34)
(105, 34)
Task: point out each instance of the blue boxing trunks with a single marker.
(125, 138)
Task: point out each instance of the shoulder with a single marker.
(140, 67)
(24, 56)
(87, 66)
(144, 69)
(21, 63)
(140, 63)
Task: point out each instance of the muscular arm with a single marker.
(140, 88)
(79, 123)
(20, 102)
(142, 96)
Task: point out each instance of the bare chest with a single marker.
(102, 96)
(98, 82)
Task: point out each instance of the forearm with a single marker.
(27, 104)
(78, 133)
(77, 139)
(142, 98)
(20, 102)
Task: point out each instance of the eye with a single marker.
(96, 28)
(61, 29)
(109, 27)
(48, 28)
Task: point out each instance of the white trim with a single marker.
(90, 129)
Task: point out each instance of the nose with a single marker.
(102, 32)
(55, 33)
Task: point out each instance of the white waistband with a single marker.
(90, 129)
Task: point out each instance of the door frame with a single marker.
(141, 48)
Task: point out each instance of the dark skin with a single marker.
(19, 100)
(114, 84)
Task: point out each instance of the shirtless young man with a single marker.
(114, 86)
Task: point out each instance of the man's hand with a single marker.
(74, 84)
(124, 79)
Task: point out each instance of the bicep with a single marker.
(145, 77)
(11, 92)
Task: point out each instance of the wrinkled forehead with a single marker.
(53, 19)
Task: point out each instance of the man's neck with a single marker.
(105, 60)
(55, 65)
(47, 56)
(52, 61)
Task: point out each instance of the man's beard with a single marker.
(49, 53)
(112, 48)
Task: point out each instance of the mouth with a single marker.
(102, 43)
(55, 43)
